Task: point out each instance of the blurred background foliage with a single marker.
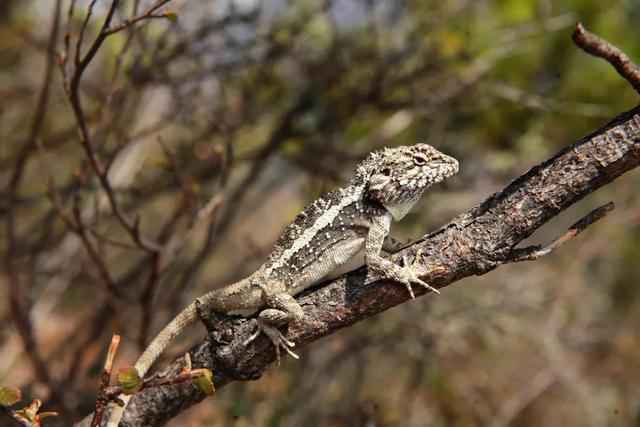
(254, 108)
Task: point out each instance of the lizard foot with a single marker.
(277, 338)
(408, 275)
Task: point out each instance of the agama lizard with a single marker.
(339, 232)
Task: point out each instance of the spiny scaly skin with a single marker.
(339, 232)
(333, 219)
(402, 174)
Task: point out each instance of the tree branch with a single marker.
(599, 47)
(147, 15)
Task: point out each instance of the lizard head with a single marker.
(400, 175)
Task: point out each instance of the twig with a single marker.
(83, 30)
(148, 14)
(81, 231)
(76, 225)
(106, 121)
(73, 93)
(83, 62)
(599, 47)
(532, 253)
(186, 375)
(103, 397)
(63, 57)
(110, 241)
(30, 415)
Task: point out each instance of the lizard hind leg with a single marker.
(267, 321)
(282, 310)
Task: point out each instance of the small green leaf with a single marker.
(205, 382)
(129, 380)
(171, 16)
(29, 413)
(9, 396)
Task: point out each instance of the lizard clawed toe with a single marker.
(276, 337)
(407, 275)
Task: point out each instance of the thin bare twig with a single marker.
(148, 14)
(83, 62)
(73, 92)
(103, 398)
(83, 30)
(532, 253)
(110, 241)
(599, 47)
(75, 224)
(30, 415)
(103, 270)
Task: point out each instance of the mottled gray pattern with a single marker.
(350, 222)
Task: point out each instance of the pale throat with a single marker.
(399, 210)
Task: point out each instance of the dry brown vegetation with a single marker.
(162, 158)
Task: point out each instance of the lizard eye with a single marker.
(419, 160)
(386, 171)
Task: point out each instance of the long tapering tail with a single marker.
(153, 351)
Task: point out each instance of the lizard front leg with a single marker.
(282, 309)
(378, 230)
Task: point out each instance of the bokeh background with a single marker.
(221, 120)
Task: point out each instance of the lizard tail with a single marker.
(153, 351)
(165, 337)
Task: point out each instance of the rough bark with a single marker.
(473, 243)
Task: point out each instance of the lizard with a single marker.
(339, 232)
